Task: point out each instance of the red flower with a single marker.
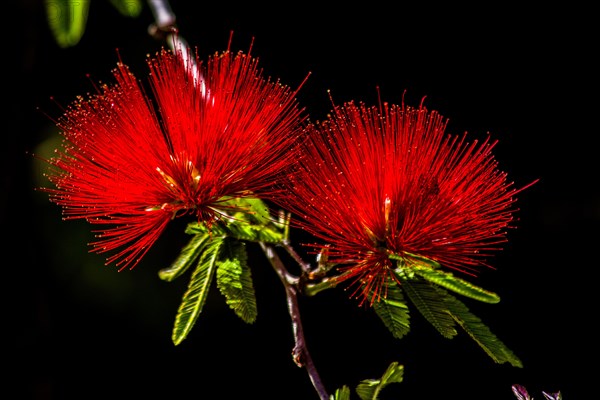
(131, 163)
(379, 183)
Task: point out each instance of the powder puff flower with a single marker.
(382, 185)
(131, 162)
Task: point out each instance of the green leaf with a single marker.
(479, 332)
(342, 393)
(253, 233)
(235, 281)
(67, 20)
(393, 310)
(128, 8)
(409, 259)
(240, 229)
(394, 374)
(252, 221)
(195, 296)
(249, 220)
(430, 304)
(369, 389)
(460, 286)
(187, 256)
(250, 209)
(255, 210)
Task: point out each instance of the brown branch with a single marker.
(165, 28)
(306, 268)
(300, 354)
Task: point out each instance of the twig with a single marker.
(163, 14)
(165, 28)
(292, 252)
(300, 353)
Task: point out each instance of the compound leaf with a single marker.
(369, 389)
(195, 296)
(430, 304)
(187, 256)
(460, 286)
(479, 332)
(342, 393)
(393, 310)
(234, 280)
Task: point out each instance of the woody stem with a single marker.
(300, 353)
(165, 28)
(306, 269)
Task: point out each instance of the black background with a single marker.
(80, 330)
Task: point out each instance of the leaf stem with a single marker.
(300, 354)
(312, 288)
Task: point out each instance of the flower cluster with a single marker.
(375, 184)
(131, 162)
(393, 201)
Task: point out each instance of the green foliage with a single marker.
(252, 233)
(234, 280)
(473, 326)
(431, 305)
(250, 221)
(410, 259)
(425, 286)
(342, 393)
(369, 389)
(250, 209)
(393, 310)
(67, 20)
(220, 250)
(460, 286)
(186, 258)
(195, 296)
(128, 8)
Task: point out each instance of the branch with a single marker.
(164, 17)
(165, 28)
(306, 268)
(300, 353)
